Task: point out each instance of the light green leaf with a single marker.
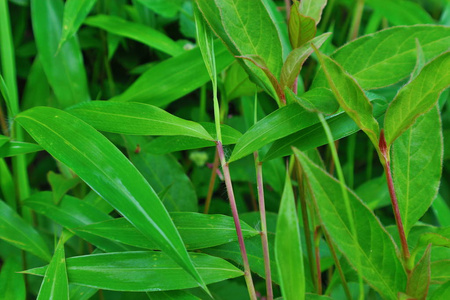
(64, 68)
(401, 12)
(165, 8)
(301, 28)
(312, 8)
(136, 119)
(12, 283)
(441, 210)
(388, 56)
(417, 167)
(294, 62)
(288, 249)
(103, 167)
(197, 231)
(350, 97)
(205, 41)
(174, 77)
(142, 271)
(372, 247)
(13, 148)
(138, 32)
(440, 271)
(17, 232)
(75, 11)
(419, 279)
(237, 83)
(417, 97)
(316, 100)
(55, 284)
(280, 123)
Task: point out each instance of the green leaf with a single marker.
(417, 167)
(75, 11)
(388, 56)
(288, 249)
(372, 245)
(3, 140)
(13, 148)
(280, 123)
(417, 97)
(301, 28)
(316, 100)
(205, 41)
(103, 167)
(64, 68)
(61, 185)
(171, 295)
(142, 271)
(165, 8)
(440, 271)
(294, 61)
(419, 279)
(138, 32)
(12, 283)
(401, 12)
(441, 210)
(55, 284)
(350, 96)
(442, 292)
(73, 213)
(135, 119)
(174, 77)
(312, 8)
(237, 83)
(197, 231)
(17, 232)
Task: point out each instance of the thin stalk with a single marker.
(237, 223)
(356, 20)
(317, 253)
(288, 8)
(212, 180)
(202, 114)
(3, 124)
(264, 240)
(348, 209)
(351, 145)
(305, 219)
(327, 15)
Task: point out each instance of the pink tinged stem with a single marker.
(262, 211)
(237, 223)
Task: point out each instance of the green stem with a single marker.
(351, 145)
(356, 20)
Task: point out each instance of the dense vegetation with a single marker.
(225, 149)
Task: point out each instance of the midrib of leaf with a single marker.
(408, 181)
(373, 267)
(244, 28)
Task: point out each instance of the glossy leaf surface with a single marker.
(13, 148)
(75, 11)
(312, 8)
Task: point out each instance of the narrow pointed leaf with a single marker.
(12, 283)
(138, 32)
(316, 100)
(417, 97)
(288, 249)
(75, 11)
(417, 167)
(136, 119)
(205, 40)
(165, 8)
(312, 8)
(55, 284)
(174, 77)
(388, 56)
(419, 280)
(372, 246)
(61, 185)
(13, 148)
(350, 96)
(103, 167)
(17, 232)
(294, 61)
(142, 271)
(301, 28)
(64, 68)
(197, 231)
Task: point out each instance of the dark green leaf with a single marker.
(12, 283)
(61, 185)
(75, 11)
(14, 148)
(165, 8)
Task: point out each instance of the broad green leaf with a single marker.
(440, 271)
(374, 193)
(350, 97)
(64, 68)
(12, 283)
(419, 279)
(401, 12)
(280, 123)
(441, 210)
(61, 185)
(279, 20)
(142, 271)
(103, 167)
(138, 32)
(417, 97)
(316, 100)
(174, 77)
(14, 230)
(135, 119)
(165, 8)
(294, 62)
(312, 8)
(441, 293)
(75, 11)
(288, 249)
(55, 284)
(372, 245)
(441, 239)
(13, 148)
(237, 83)
(417, 167)
(388, 56)
(172, 295)
(301, 28)
(73, 213)
(197, 231)
(341, 125)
